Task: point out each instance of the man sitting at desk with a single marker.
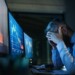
(62, 40)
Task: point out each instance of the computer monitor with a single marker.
(16, 37)
(28, 46)
(4, 43)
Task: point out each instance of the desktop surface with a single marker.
(49, 72)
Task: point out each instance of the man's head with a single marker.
(53, 26)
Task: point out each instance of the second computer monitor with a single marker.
(28, 46)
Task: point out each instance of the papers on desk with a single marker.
(39, 66)
(64, 68)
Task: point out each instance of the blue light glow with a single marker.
(16, 37)
(28, 46)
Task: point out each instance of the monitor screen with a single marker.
(16, 37)
(28, 46)
(4, 44)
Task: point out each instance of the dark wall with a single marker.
(70, 13)
(39, 51)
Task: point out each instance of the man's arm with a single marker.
(66, 57)
(56, 59)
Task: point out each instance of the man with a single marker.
(61, 38)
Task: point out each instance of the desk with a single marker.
(51, 72)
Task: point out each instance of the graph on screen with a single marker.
(28, 46)
(16, 37)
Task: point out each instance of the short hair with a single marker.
(53, 25)
(50, 27)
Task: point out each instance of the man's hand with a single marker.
(55, 37)
(51, 42)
